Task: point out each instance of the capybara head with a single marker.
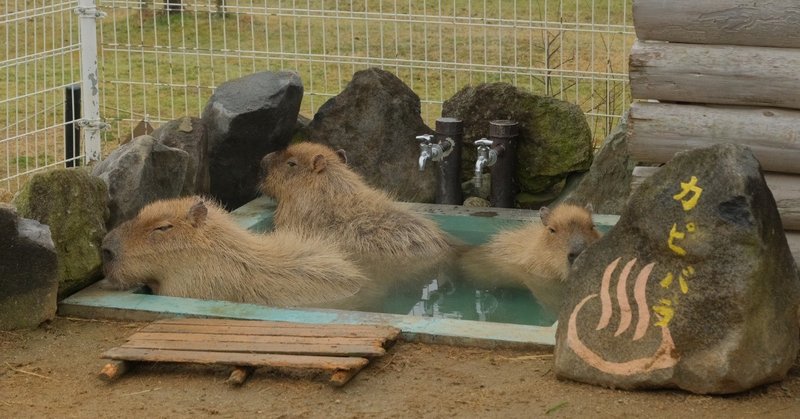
(139, 250)
(569, 229)
(300, 167)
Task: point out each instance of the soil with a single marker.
(52, 372)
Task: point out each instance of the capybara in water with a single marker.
(317, 192)
(537, 256)
(189, 247)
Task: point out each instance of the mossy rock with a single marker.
(74, 205)
(554, 137)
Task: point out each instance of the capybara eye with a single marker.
(164, 227)
(291, 163)
(552, 230)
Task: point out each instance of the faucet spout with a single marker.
(487, 156)
(424, 156)
(479, 165)
(425, 153)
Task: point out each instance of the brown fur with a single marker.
(190, 248)
(536, 255)
(317, 192)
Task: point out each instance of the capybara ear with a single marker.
(319, 163)
(544, 214)
(589, 207)
(197, 214)
(342, 155)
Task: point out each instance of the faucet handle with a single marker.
(484, 142)
(425, 138)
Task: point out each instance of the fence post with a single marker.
(90, 93)
(72, 131)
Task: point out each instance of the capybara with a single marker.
(317, 192)
(537, 256)
(188, 247)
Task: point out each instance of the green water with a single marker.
(464, 302)
(456, 299)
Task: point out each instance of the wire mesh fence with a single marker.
(161, 59)
(38, 62)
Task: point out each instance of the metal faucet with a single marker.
(487, 157)
(499, 153)
(427, 151)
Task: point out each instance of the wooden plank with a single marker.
(192, 337)
(327, 363)
(771, 23)
(656, 131)
(273, 328)
(248, 347)
(715, 74)
(256, 331)
(785, 189)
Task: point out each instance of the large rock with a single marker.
(554, 137)
(247, 118)
(28, 272)
(74, 205)
(607, 184)
(375, 120)
(694, 287)
(188, 134)
(140, 172)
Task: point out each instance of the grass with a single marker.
(162, 66)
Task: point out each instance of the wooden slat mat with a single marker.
(341, 350)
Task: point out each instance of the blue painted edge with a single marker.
(94, 301)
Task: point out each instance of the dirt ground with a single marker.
(52, 372)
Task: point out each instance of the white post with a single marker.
(90, 96)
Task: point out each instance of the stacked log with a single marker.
(720, 71)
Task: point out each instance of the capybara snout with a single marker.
(578, 243)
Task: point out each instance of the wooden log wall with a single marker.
(768, 23)
(721, 74)
(721, 71)
(656, 131)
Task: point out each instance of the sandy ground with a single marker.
(52, 372)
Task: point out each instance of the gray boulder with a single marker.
(246, 119)
(28, 272)
(74, 205)
(607, 184)
(188, 134)
(375, 120)
(694, 287)
(140, 172)
(554, 139)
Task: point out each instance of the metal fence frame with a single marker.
(157, 60)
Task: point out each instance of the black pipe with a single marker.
(72, 131)
(449, 134)
(503, 134)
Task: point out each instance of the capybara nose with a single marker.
(571, 256)
(107, 255)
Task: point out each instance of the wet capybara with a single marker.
(537, 256)
(188, 247)
(398, 249)
(317, 192)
